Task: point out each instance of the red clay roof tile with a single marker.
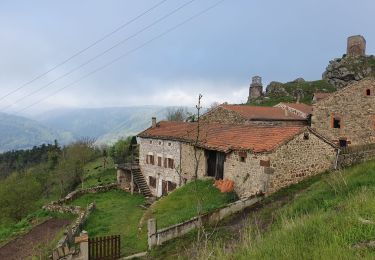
(223, 137)
(262, 113)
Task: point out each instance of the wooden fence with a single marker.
(107, 247)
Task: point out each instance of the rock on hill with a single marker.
(21, 133)
(297, 90)
(347, 70)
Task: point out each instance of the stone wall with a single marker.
(351, 158)
(222, 115)
(299, 159)
(248, 176)
(158, 237)
(77, 193)
(292, 162)
(164, 149)
(188, 162)
(355, 110)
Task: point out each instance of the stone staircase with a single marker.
(141, 183)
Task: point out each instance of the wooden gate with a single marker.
(107, 247)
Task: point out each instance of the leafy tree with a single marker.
(177, 114)
(121, 151)
(19, 195)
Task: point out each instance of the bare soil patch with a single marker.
(25, 246)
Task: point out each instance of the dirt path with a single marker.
(29, 244)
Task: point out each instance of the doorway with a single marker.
(215, 164)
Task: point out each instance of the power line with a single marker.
(126, 54)
(102, 53)
(84, 49)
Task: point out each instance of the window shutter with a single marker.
(165, 162)
(147, 159)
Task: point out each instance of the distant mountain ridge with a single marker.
(18, 132)
(106, 125)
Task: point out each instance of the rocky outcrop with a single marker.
(276, 88)
(348, 70)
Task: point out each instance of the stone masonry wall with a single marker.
(164, 149)
(290, 163)
(221, 115)
(355, 109)
(348, 159)
(248, 176)
(299, 159)
(188, 162)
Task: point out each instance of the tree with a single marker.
(19, 194)
(177, 114)
(120, 151)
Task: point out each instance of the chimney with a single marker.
(153, 125)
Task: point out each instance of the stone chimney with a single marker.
(153, 124)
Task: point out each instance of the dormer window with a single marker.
(368, 92)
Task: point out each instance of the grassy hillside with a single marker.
(308, 88)
(21, 133)
(183, 203)
(333, 218)
(117, 213)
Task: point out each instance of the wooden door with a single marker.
(211, 163)
(164, 188)
(220, 158)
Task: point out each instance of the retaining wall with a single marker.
(355, 157)
(158, 237)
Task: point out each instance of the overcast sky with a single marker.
(214, 54)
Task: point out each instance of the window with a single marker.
(150, 159)
(150, 141)
(343, 142)
(159, 161)
(265, 163)
(336, 122)
(306, 136)
(169, 144)
(242, 156)
(368, 92)
(159, 142)
(170, 163)
(152, 181)
(171, 186)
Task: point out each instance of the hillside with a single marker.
(104, 124)
(292, 91)
(21, 133)
(329, 216)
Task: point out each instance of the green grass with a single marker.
(116, 213)
(325, 221)
(182, 204)
(96, 175)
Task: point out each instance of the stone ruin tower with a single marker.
(256, 89)
(356, 46)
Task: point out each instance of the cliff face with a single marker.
(342, 72)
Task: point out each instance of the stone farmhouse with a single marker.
(347, 116)
(258, 158)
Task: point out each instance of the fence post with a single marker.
(83, 241)
(151, 230)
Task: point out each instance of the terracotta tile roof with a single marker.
(300, 107)
(320, 95)
(223, 137)
(262, 113)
